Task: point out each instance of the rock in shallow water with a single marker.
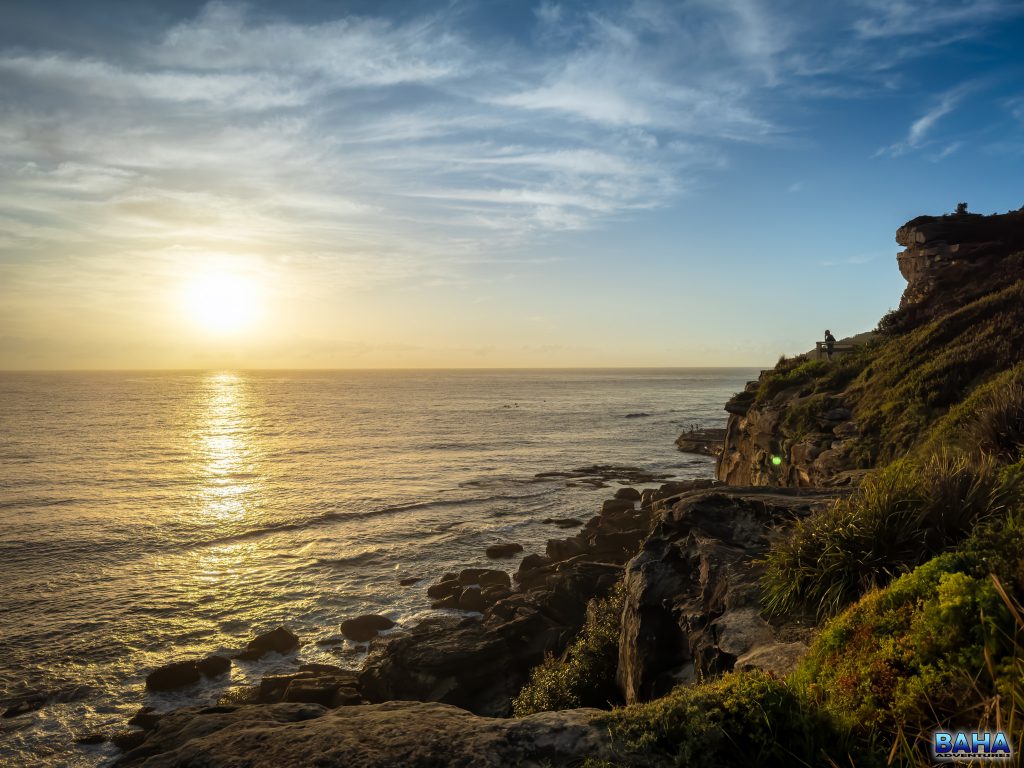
(503, 550)
(280, 640)
(364, 628)
(172, 676)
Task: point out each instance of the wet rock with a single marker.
(628, 494)
(612, 506)
(494, 579)
(170, 677)
(91, 739)
(146, 718)
(451, 601)
(472, 599)
(280, 640)
(565, 549)
(469, 576)
(364, 628)
(25, 704)
(128, 740)
(214, 666)
(492, 595)
(503, 550)
(563, 522)
(445, 588)
(409, 580)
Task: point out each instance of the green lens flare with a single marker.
(776, 460)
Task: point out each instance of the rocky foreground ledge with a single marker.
(440, 693)
(398, 733)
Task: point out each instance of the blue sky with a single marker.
(404, 184)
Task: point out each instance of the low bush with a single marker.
(939, 648)
(741, 719)
(585, 674)
(897, 519)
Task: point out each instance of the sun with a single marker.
(221, 302)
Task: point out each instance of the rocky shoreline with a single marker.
(686, 552)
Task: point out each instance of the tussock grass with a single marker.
(897, 519)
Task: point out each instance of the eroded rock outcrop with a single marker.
(692, 606)
(481, 663)
(941, 249)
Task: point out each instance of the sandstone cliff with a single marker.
(960, 322)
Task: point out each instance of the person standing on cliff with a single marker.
(830, 343)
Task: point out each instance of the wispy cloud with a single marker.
(922, 126)
(407, 149)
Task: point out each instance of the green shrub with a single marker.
(898, 518)
(741, 719)
(788, 375)
(585, 674)
(940, 647)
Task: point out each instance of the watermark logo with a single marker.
(964, 745)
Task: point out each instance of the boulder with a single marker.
(469, 576)
(280, 640)
(172, 676)
(494, 579)
(472, 599)
(503, 550)
(563, 522)
(366, 627)
(25, 704)
(214, 666)
(444, 588)
(628, 494)
(616, 505)
(409, 580)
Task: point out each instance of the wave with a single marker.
(328, 518)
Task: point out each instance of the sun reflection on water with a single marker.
(226, 450)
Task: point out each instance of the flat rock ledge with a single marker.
(411, 734)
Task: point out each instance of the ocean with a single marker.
(151, 516)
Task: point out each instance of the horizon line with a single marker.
(382, 368)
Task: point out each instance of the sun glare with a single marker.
(221, 302)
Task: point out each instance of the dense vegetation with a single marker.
(897, 519)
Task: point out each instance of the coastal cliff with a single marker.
(853, 580)
(960, 323)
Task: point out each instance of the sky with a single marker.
(320, 184)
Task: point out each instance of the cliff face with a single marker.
(943, 251)
(818, 423)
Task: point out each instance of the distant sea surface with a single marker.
(147, 517)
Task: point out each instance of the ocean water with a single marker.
(147, 517)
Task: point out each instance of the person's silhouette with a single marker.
(830, 343)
